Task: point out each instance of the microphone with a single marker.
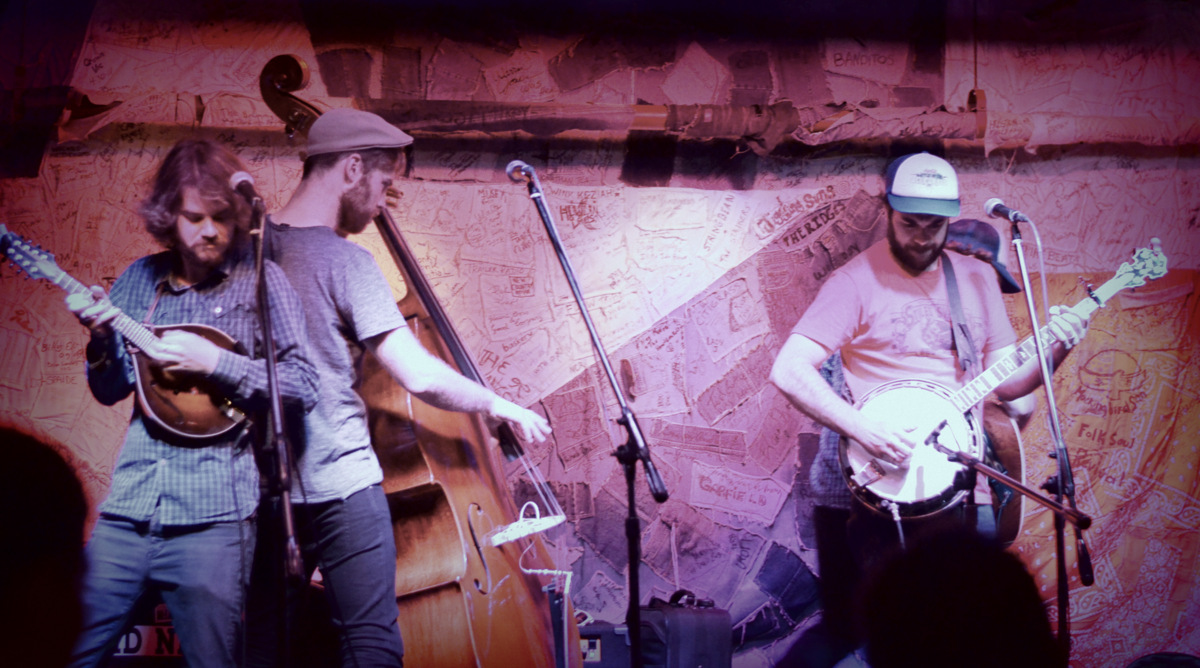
(995, 208)
(519, 171)
(243, 183)
(1086, 575)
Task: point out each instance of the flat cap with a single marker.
(340, 130)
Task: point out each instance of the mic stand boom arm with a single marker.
(635, 448)
(1070, 514)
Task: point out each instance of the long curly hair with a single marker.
(200, 164)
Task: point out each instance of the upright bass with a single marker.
(470, 570)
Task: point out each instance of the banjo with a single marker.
(926, 483)
(189, 408)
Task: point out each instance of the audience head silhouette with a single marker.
(956, 598)
(41, 560)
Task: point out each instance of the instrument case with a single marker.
(684, 632)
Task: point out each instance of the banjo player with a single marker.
(887, 314)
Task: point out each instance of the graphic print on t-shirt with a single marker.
(922, 327)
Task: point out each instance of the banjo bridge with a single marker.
(869, 474)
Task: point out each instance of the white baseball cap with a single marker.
(923, 183)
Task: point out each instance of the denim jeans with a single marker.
(201, 573)
(352, 543)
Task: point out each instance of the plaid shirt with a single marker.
(825, 478)
(217, 480)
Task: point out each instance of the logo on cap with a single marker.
(924, 184)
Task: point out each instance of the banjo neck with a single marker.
(994, 376)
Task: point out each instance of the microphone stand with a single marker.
(1063, 484)
(1071, 515)
(275, 450)
(635, 448)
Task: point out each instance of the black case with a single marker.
(684, 632)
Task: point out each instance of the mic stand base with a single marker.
(628, 457)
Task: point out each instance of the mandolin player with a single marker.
(179, 517)
(891, 315)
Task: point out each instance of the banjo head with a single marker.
(924, 485)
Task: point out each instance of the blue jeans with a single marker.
(201, 573)
(352, 543)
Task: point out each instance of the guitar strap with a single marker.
(158, 292)
(967, 356)
(132, 350)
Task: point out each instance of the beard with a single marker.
(914, 258)
(355, 210)
(207, 253)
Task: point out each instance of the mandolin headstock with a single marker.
(33, 260)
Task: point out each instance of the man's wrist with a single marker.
(495, 406)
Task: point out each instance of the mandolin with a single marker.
(185, 406)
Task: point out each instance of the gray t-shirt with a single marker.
(346, 300)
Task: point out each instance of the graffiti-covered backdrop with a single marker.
(707, 167)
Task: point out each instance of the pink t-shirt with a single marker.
(891, 326)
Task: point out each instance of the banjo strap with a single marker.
(967, 357)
